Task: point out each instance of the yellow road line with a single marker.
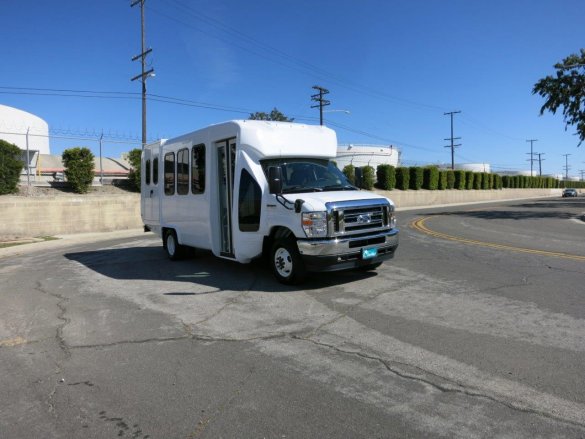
(420, 225)
(10, 342)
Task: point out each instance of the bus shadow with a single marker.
(151, 264)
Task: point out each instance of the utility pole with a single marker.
(321, 102)
(531, 155)
(540, 159)
(145, 73)
(566, 165)
(452, 146)
(582, 171)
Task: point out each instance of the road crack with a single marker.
(454, 387)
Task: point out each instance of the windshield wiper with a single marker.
(298, 189)
(343, 187)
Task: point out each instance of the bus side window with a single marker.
(198, 169)
(170, 173)
(183, 171)
(155, 170)
(147, 172)
(249, 203)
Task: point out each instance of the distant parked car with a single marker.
(569, 192)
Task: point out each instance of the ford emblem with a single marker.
(364, 219)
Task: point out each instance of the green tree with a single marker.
(10, 167)
(134, 158)
(566, 90)
(274, 115)
(79, 168)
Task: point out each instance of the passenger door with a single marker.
(149, 189)
(226, 158)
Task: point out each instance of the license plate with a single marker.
(369, 253)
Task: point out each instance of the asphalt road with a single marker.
(475, 329)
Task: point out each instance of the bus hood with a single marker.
(315, 201)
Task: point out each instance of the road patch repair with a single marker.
(11, 342)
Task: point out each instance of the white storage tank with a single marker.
(15, 123)
(367, 155)
(475, 167)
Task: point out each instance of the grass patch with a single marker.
(23, 241)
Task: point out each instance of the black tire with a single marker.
(286, 262)
(175, 251)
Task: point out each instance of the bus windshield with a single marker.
(309, 175)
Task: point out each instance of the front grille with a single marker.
(360, 217)
(363, 218)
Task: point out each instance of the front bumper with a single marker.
(346, 253)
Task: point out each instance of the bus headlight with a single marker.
(315, 224)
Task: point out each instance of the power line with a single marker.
(290, 61)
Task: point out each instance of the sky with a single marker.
(392, 68)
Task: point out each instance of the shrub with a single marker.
(402, 178)
(134, 158)
(416, 177)
(477, 181)
(349, 171)
(368, 178)
(460, 180)
(469, 179)
(442, 180)
(10, 167)
(386, 177)
(497, 182)
(485, 181)
(79, 168)
(431, 178)
(450, 179)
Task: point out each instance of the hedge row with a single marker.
(433, 178)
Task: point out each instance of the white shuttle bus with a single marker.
(245, 189)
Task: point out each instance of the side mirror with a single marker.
(359, 177)
(275, 180)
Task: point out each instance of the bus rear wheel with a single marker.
(175, 251)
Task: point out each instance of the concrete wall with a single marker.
(424, 198)
(65, 214)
